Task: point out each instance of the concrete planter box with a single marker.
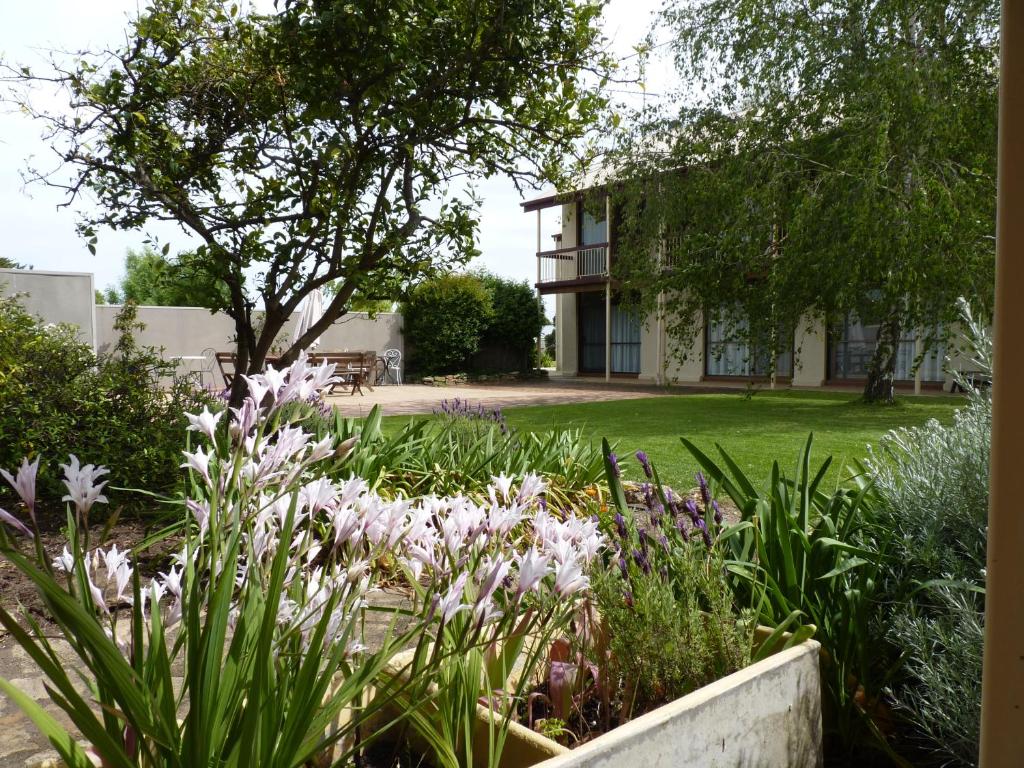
(766, 714)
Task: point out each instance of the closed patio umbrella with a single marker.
(312, 310)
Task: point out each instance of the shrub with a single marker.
(795, 557)
(932, 486)
(516, 321)
(444, 319)
(670, 616)
(57, 396)
(472, 322)
(459, 450)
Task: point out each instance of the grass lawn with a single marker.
(755, 431)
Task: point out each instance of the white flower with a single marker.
(25, 483)
(112, 558)
(569, 578)
(346, 524)
(83, 490)
(451, 603)
(199, 461)
(97, 594)
(245, 419)
(201, 512)
(171, 581)
(533, 486)
(533, 567)
(258, 388)
(321, 449)
(503, 484)
(11, 520)
(495, 570)
(317, 495)
(120, 578)
(65, 562)
(205, 422)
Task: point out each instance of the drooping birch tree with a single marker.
(828, 159)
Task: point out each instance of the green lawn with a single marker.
(755, 431)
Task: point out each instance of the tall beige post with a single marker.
(608, 289)
(1002, 700)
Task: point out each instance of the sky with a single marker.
(37, 232)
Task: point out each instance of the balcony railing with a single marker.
(567, 265)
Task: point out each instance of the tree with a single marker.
(6, 263)
(152, 278)
(824, 171)
(326, 141)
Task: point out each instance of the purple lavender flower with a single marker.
(645, 463)
(640, 558)
(718, 512)
(681, 527)
(627, 595)
(691, 507)
(623, 567)
(620, 526)
(704, 532)
(657, 513)
(648, 495)
(705, 494)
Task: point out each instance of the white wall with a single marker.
(56, 297)
(191, 330)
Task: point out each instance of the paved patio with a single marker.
(411, 399)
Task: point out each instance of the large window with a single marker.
(593, 226)
(853, 348)
(625, 346)
(729, 354)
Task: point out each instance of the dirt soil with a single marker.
(17, 592)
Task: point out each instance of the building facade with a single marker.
(595, 336)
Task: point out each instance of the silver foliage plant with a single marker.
(932, 483)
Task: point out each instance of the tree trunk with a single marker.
(879, 387)
(252, 351)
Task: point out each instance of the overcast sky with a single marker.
(36, 232)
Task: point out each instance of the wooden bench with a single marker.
(352, 368)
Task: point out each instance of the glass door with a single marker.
(625, 346)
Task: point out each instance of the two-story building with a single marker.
(596, 336)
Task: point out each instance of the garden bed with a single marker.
(768, 712)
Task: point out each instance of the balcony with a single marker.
(574, 269)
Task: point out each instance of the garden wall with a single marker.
(56, 297)
(191, 330)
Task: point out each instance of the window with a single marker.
(729, 354)
(593, 226)
(854, 346)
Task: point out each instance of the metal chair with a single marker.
(207, 368)
(393, 364)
